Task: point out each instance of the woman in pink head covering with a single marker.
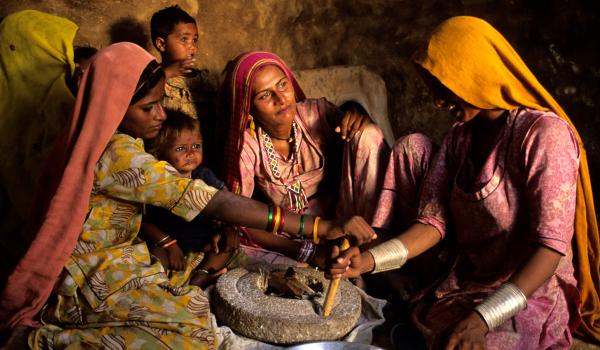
(92, 278)
(302, 154)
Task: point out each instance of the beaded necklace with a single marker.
(296, 196)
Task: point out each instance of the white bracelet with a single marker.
(501, 305)
(389, 255)
(306, 251)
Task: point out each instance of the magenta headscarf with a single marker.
(104, 96)
(237, 102)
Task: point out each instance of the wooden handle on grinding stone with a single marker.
(333, 286)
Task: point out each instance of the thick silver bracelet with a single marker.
(501, 305)
(389, 255)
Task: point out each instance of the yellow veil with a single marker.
(36, 56)
(475, 61)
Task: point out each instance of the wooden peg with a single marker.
(333, 286)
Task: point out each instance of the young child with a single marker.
(172, 239)
(175, 35)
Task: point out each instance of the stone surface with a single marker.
(340, 84)
(240, 302)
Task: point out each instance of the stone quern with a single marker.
(240, 301)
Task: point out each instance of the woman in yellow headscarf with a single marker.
(36, 64)
(510, 186)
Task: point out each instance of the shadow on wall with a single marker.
(129, 29)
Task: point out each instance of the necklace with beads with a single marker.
(296, 197)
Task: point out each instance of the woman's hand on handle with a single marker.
(347, 264)
(351, 263)
(225, 241)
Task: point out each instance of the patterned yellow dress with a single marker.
(112, 294)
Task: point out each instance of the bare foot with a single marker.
(203, 278)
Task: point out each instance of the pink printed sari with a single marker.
(331, 173)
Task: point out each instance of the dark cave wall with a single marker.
(555, 37)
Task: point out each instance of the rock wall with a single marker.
(553, 36)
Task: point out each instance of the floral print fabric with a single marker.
(112, 293)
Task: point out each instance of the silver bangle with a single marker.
(501, 305)
(389, 255)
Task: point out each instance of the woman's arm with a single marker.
(291, 248)
(274, 243)
(421, 236)
(416, 239)
(538, 269)
(170, 254)
(238, 210)
(151, 233)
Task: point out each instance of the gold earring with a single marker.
(252, 125)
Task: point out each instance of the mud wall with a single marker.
(555, 37)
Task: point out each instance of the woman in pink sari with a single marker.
(302, 154)
(509, 188)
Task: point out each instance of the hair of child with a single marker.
(163, 22)
(176, 123)
(83, 52)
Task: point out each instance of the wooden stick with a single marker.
(333, 286)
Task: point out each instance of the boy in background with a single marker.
(175, 35)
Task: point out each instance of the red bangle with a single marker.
(276, 220)
(169, 243)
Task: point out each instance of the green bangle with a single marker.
(302, 220)
(269, 219)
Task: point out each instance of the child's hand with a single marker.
(226, 242)
(231, 240)
(175, 256)
(179, 68)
